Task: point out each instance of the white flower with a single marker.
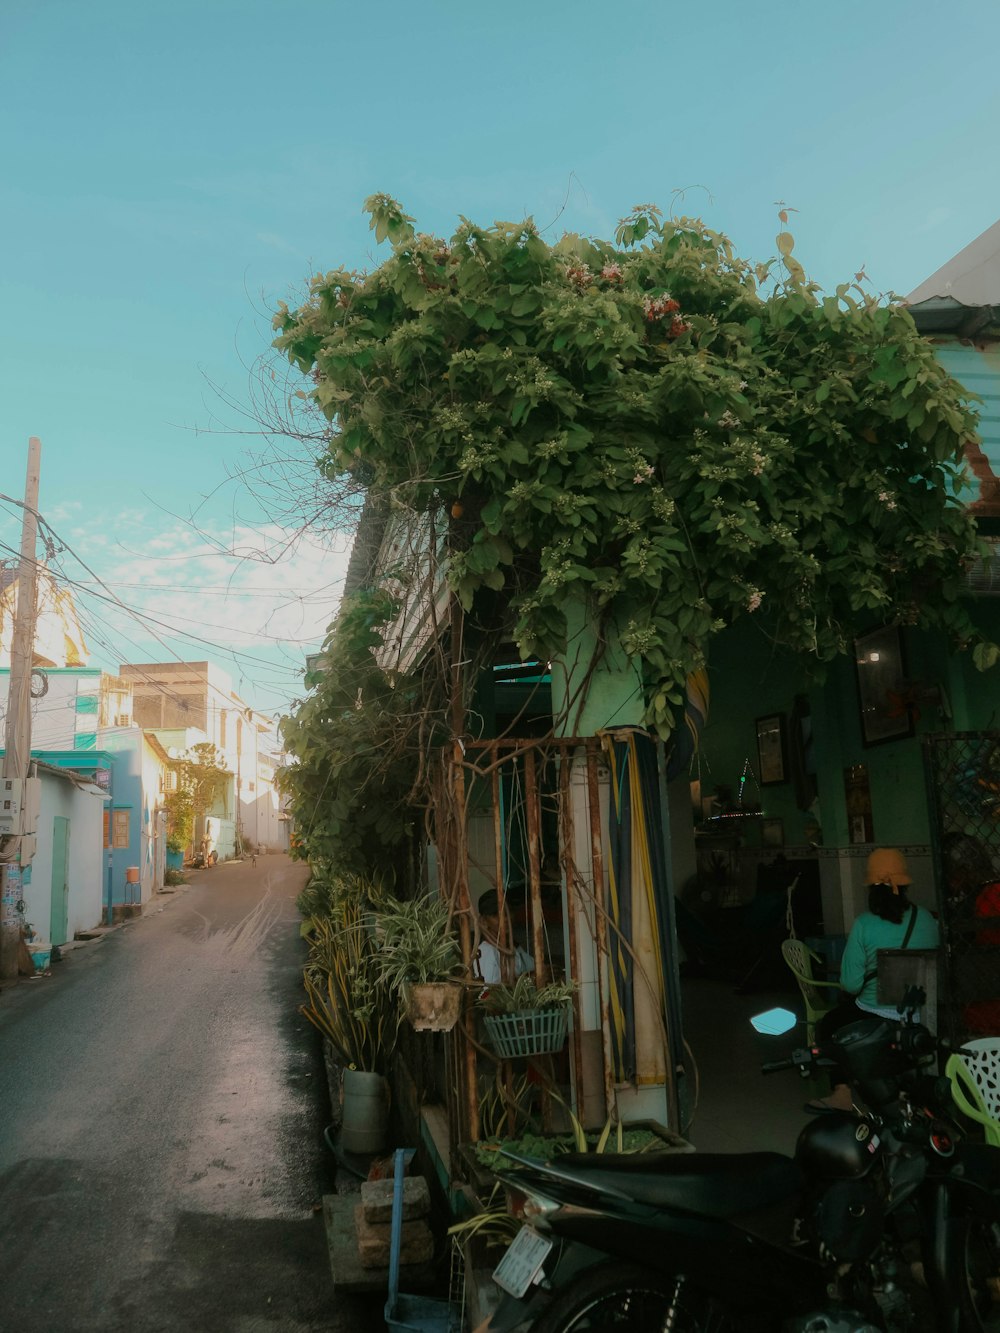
(754, 600)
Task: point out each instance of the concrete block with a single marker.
(374, 1239)
(345, 1266)
(376, 1196)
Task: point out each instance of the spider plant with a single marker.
(525, 994)
(417, 943)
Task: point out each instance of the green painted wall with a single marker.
(749, 678)
(611, 697)
(977, 367)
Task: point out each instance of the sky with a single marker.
(172, 169)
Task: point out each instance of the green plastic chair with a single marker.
(819, 997)
(975, 1084)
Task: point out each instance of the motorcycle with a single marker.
(885, 1220)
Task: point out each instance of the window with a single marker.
(120, 821)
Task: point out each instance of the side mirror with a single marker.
(774, 1022)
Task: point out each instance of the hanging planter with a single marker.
(528, 1031)
(432, 1006)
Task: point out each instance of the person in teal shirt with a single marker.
(891, 922)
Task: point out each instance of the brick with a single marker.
(374, 1240)
(376, 1196)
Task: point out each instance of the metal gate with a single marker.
(963, 783)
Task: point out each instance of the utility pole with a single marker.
(17, 740)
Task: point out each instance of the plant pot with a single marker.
(175, 860)
(528, 1031)
(432, 1006)
(366, 1112)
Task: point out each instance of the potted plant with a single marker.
(175, 851)
(525, 1018)
(351, 1004)
(421, 960)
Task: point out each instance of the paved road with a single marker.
(161, 1116)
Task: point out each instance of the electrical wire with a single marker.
(146, 621)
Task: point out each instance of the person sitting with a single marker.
(488, 960)
(891, 922)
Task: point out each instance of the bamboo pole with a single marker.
(566, 843)
(603, 958)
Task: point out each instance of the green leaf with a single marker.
(985, 655)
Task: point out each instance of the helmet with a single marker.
(837, 1146)
(887, 865)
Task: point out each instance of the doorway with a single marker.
(59, 926)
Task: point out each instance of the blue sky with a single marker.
(171, 170)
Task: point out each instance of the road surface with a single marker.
(162, 1105)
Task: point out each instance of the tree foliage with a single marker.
(653, 425)
(201, 780)
(354, 744)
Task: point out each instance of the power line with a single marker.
(146, 621)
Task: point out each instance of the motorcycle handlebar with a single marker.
(775, 1066)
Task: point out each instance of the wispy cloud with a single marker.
(934, 219)
(254, 603)
(277, 242)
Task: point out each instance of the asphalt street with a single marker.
(162, 1106)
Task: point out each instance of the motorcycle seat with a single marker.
(713, 1184)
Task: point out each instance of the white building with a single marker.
(185, 698)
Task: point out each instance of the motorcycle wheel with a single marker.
(981, 1297)
(623, 1298)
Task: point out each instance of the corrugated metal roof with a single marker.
(971, 278)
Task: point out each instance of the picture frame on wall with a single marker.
(881, 675)
(772, 749)
(772, 832)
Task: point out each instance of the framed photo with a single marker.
(772, 832)
(886, 714)
(771, 749)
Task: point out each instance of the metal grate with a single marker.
(963, 773)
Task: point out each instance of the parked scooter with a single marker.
(884, 1221)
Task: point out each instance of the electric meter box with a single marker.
(17, 796)
(11, 796)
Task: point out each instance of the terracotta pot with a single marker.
(432, 1006)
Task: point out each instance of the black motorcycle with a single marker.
(885, 1220)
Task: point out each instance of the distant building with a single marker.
(179, 699)
(59, 640)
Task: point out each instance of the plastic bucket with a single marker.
(41, 956)
(132, 875)
(366, 1112)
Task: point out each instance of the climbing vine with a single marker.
(653, 426)
(355, 742)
